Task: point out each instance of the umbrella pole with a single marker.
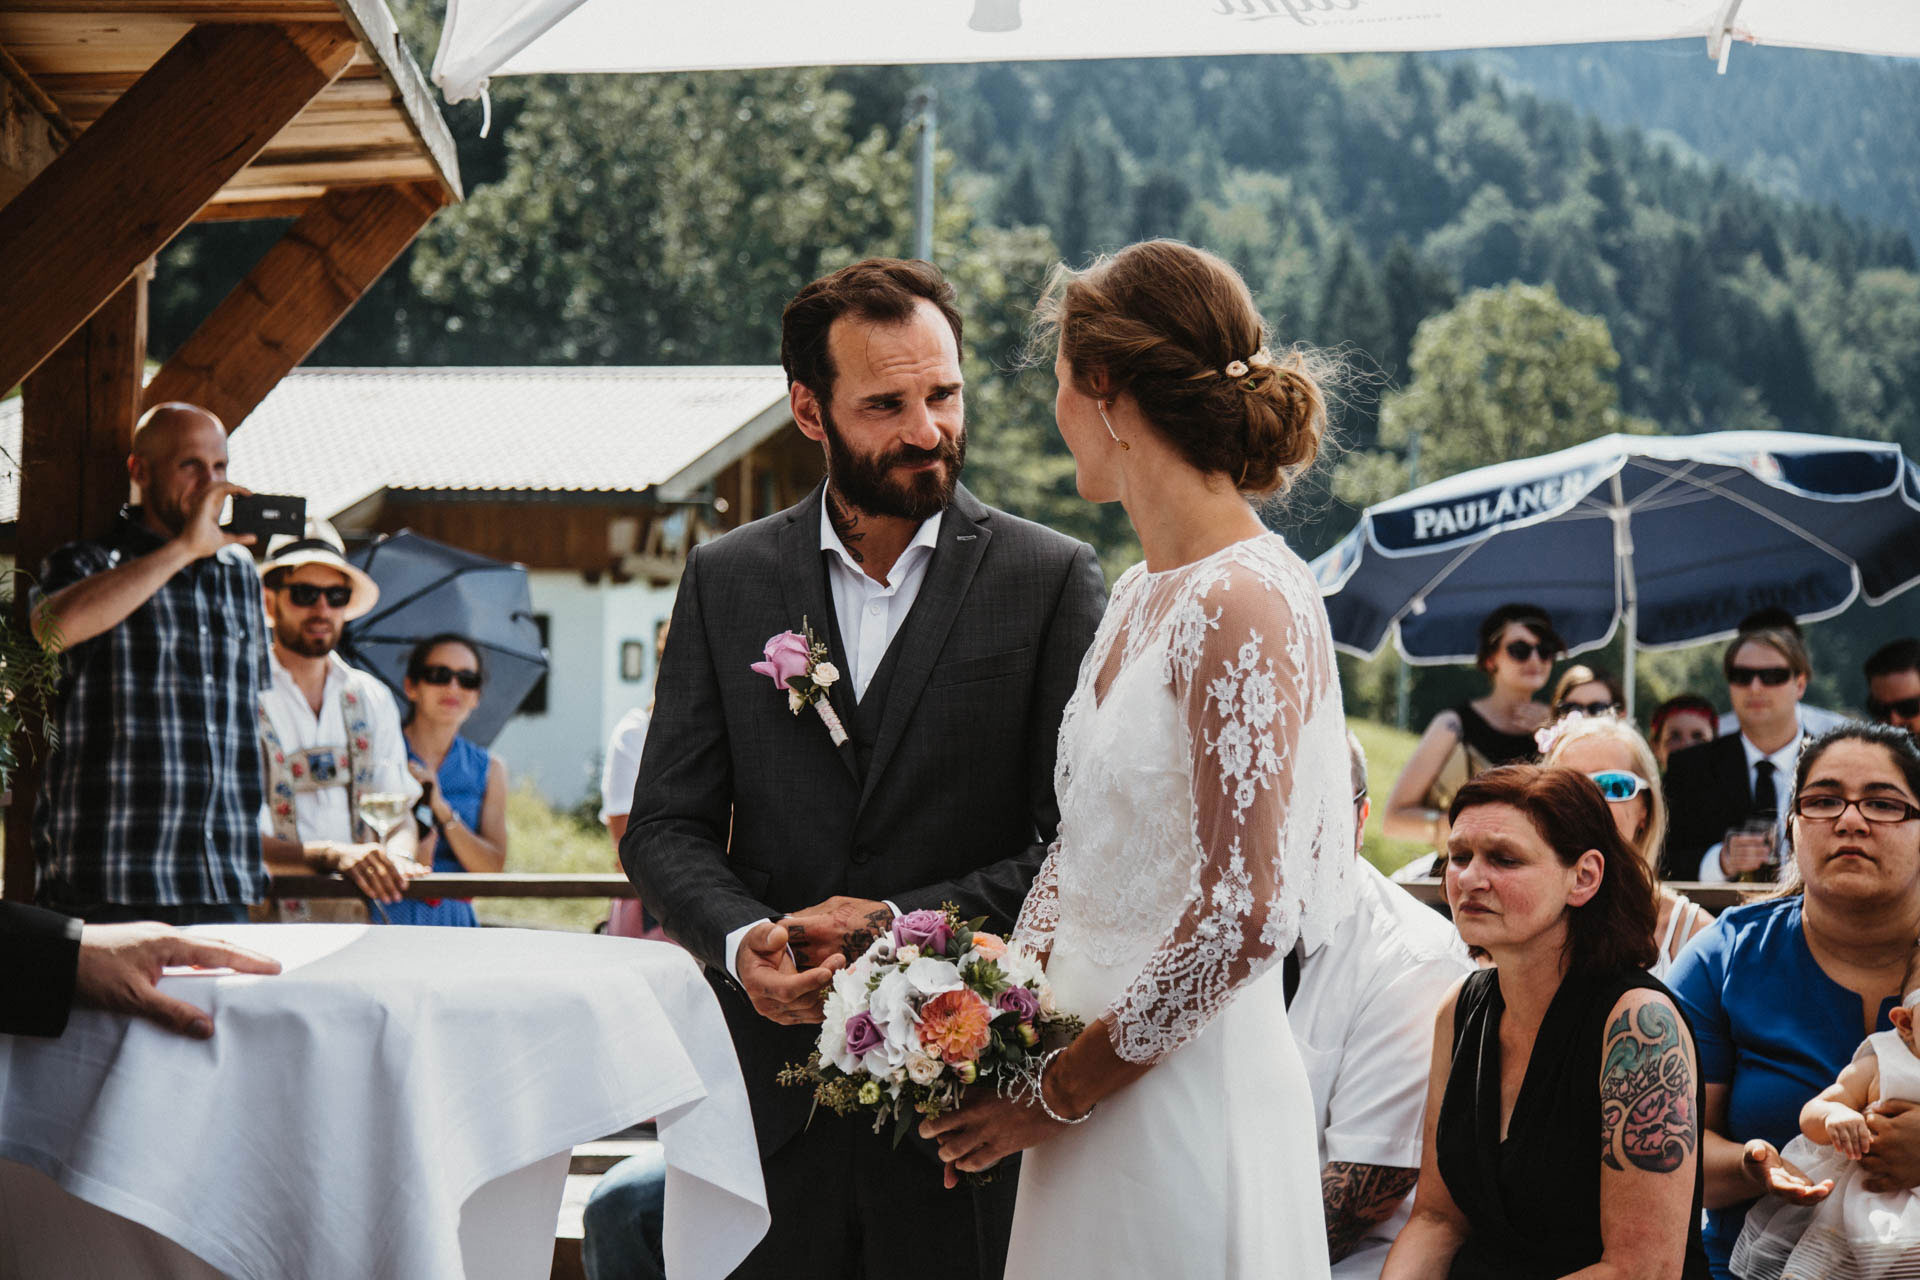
(1629, 589)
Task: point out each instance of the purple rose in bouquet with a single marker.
(930, 931)
(1020, 1002)
(863, 1034)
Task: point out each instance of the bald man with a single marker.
(149, 806)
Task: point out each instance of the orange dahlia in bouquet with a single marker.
(934, 1006)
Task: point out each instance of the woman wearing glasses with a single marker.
(1517, 647)
(1612, 753)
(1781, 992)
(465, 787)
(1589, 690)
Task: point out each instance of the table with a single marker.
(399, 1102)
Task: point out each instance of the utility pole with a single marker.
(923, 109)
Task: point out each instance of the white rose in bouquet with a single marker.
(922, 1069)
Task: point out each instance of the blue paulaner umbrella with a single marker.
(1682, 536)
(426, 588)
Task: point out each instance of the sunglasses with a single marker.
(1772, 677)
(1827, 806)
(447, 675)
(1521, 650)
(1619, 786)
(305, 595)
(1596, 708)
(1905, 708)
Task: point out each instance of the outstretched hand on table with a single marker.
(121, 963)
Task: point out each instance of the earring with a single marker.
(1110, 431)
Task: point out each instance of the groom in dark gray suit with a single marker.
(775, 856)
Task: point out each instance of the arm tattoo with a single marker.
(1359, 1197)
(1647, 1113)
(846, 524)
(860, 937)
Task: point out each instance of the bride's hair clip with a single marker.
(1258, 360)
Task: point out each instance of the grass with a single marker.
(1387, 751)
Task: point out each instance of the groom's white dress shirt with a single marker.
(870, 614)
(1363, 1019)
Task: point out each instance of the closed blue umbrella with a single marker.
(427, 588)
(1680, 536)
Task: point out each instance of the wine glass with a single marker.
(383, 812)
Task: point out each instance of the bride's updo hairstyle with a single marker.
(1176, 328)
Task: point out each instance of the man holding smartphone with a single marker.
(149, 807)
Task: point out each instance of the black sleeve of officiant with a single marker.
(39, 955)
(998, 889)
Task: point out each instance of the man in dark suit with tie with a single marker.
(775, 855)
(1743, 779)
(50, 962)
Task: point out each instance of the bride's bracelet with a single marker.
(1040, 1093)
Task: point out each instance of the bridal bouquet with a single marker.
(933, 1007)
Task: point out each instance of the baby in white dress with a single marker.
(1853, 1232)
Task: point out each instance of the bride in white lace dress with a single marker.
(1206, 825)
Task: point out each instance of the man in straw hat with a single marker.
(149, 807)
(330, 732)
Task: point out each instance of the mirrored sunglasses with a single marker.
(1617, 785)
(305, 595)
(1772, 677)
(447, 675)
(1905, 708)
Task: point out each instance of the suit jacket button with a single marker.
(862, 854)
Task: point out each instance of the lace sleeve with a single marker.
(1041, 911)
(1272, 819)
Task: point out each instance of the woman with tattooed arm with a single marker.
(1781, 992)
(1563, 1103)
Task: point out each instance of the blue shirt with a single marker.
(462, 779)
(1770, 1023)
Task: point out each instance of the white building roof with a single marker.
(337, 436)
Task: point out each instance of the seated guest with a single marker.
(1591, 690)
(1612, 753)
(1781, 992)
(330, 732)
(462, 785)
(53, 963)
(1361, 1009)
(1726, 796)
(1893, 684)
(1685, 720)
(1814, 720)
(1517, 647)
(1564, 1037)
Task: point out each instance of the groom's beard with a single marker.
(880, 485)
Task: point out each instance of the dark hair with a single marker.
(417, 659)
(878, 290)
(1787, 644)
(1530, 616)
(1898, 743)
(1681, 704)
(1614, 929)
(1898, 655)
(1581, 673)
(1770, 618)
(1176, 328)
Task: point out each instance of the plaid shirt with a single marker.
(154, 793)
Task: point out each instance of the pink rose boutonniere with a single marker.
(798, 664)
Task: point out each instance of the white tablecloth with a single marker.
(346, 1109)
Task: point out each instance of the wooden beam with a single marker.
(128, 184)
(294, 297)
(75, 432)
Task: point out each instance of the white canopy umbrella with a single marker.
(484, 38)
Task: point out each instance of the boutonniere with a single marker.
(797, 663)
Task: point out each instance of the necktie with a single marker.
(1766, 799)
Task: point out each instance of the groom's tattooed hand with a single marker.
(1357, 1198)
(859, 939)
(1647, 1113)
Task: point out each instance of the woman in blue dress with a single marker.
(465, 788)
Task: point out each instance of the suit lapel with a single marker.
(964, 534)
(803, 581)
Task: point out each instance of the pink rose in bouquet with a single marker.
(787, 655)
(989, 946)
(928, 930)
(863, 1034)
(1020, 1002)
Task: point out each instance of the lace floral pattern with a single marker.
(1206, 824)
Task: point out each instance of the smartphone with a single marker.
(265, 514)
